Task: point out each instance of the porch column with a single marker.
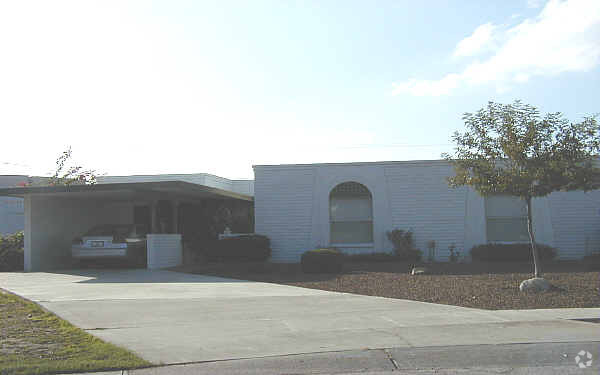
(28, 259)
(154, 217)
(175, 210)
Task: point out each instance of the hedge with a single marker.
(592, 262)
(322, 261)
(495, 252)
(11, 252)
(404, 245)
(250, 247)
(372, 257)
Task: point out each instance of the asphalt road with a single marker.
(540, 358)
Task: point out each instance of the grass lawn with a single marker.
(481, 285)
(34, 341)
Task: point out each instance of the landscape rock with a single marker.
(419, 271)
(536, 284)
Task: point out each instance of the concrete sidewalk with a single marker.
(169, 317)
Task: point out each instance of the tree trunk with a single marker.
(536, 260)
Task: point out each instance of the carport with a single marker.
(55, 215)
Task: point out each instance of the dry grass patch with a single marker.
(35, 341)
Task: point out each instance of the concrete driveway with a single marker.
(170, 317)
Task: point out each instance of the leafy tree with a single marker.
(511, 149)
(71, 175)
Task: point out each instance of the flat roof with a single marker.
(187, 189)
(171, 175)
(432, 161)
(358, 163)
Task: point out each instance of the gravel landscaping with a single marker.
(492, 286)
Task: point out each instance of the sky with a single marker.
(141, 87)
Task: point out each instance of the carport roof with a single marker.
(174, 188)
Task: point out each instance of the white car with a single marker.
(111, 241)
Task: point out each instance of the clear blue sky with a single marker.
(199, 86)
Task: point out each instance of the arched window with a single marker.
(351, 214)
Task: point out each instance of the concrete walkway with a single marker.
(168, 317)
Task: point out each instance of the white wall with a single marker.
(575, 221)
(475, 224)
(51, 224)
(12, 218)
(292, 205)
(292, 208)
(12, 215)
(283, 206)
(421, 200)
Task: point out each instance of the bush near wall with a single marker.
(372, 257)
(592, 262)
(11, 252)
(494, 252)
(250, 247)
(322, 261)
(404, 245)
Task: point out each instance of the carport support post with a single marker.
(154, 216)
(28, 264)
(175, 216)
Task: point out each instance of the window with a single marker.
(12, 206)
(350, 212)
(506, 219)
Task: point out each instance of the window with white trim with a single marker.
(351, 214)
(506, 219)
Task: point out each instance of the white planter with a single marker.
(164, 250)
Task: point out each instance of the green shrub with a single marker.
(322, 261)
(249, 247)
(372, 257)
(196, 247)
(404, 245)
(495, 252)
(11, 252)
(592, 262)
(454, 254)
